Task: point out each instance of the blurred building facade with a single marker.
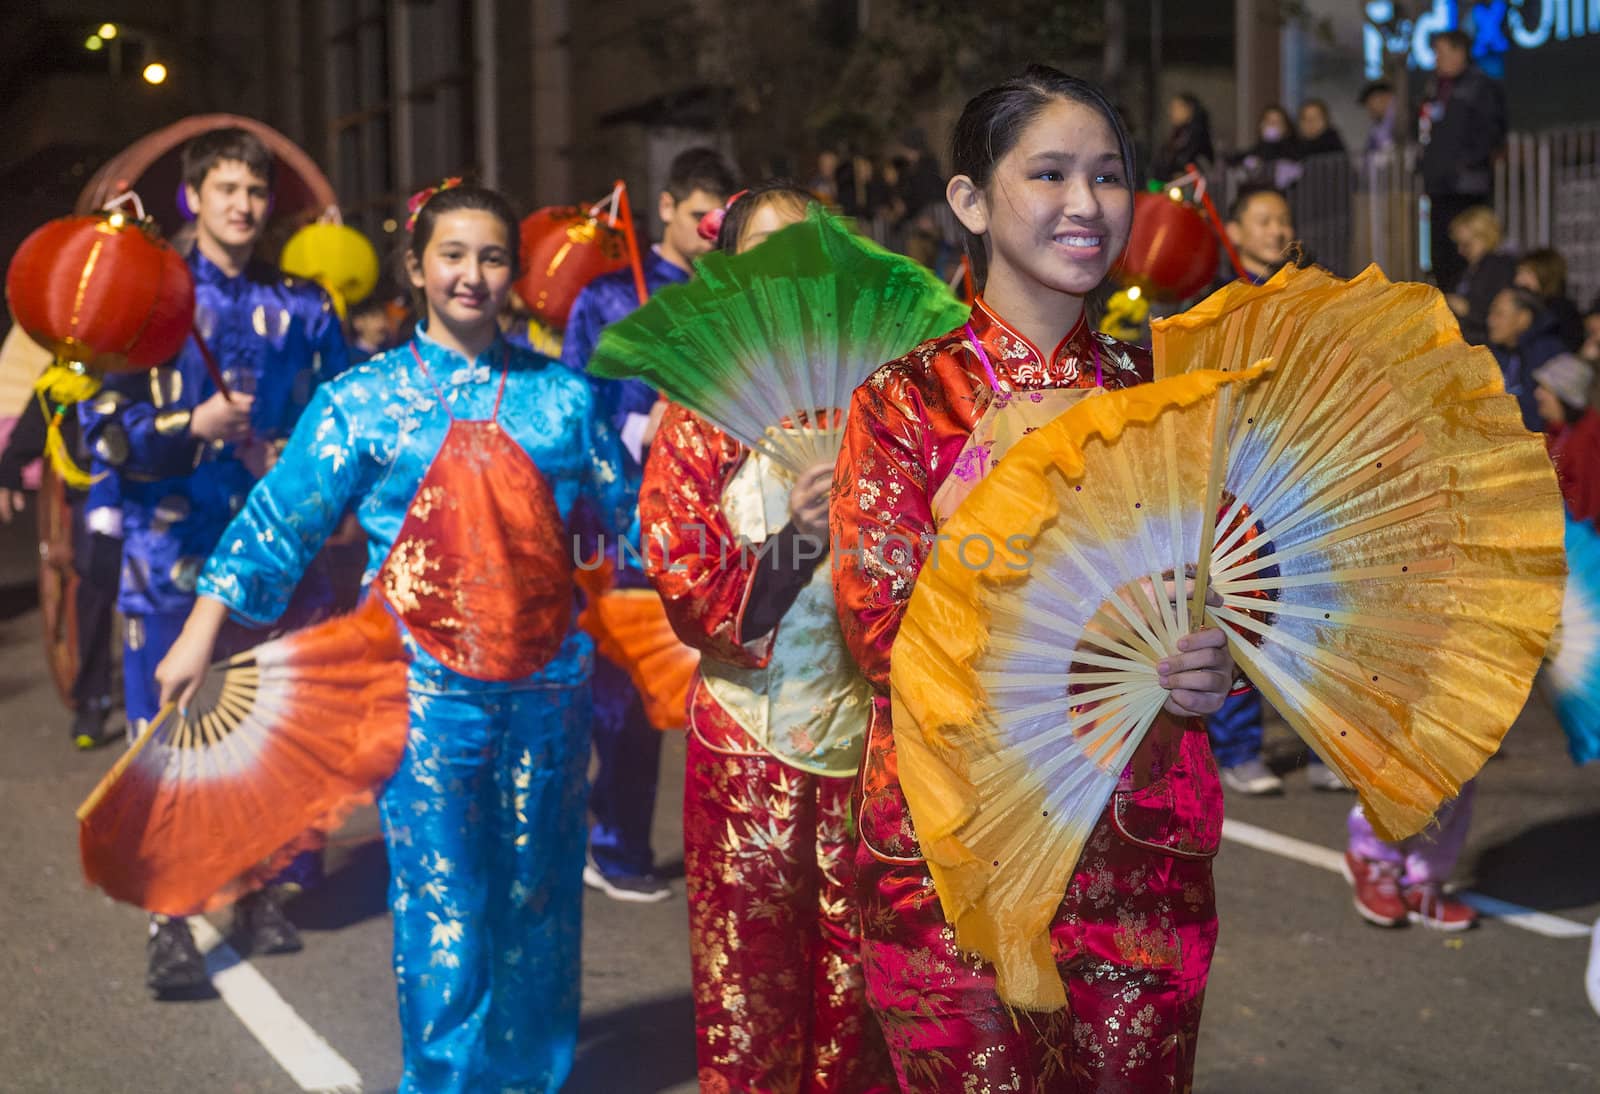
(547, 99)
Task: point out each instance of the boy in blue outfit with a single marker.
(621, 863)
(185, 456)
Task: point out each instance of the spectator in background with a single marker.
(921, 197)
(1377, 98)
(1475, 236)
(1572, 430)
(1321, 199)
(1544, 271)
(96, 557)
(1261, 228)
(1590, 350)
(1462, 127)
(1274, 159)
(1318, 137)
(370, 330)
(825, 183)
(1190, 139)
(1523, 337)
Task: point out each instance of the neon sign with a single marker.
(1496, 26)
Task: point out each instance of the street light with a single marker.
(107, 31)
(94, 44)
(155, 73)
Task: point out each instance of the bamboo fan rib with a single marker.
(1383, 534)
(780, 336)
(206, 806)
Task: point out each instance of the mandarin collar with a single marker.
(207, 272)
(435, 354)
(1017, 361)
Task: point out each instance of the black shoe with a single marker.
(176, 967)
(260, 927)
(89, 729)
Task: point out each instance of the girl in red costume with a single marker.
(777, 720)
(1043, 183)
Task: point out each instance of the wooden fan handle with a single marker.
(121, 765)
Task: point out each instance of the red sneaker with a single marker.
(1431, 906)
(1377, 886)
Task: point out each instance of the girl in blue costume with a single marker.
(463, 458)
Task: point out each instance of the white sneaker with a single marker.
(1323, 777)
(1251, 777)
(630, 888)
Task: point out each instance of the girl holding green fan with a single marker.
(759, 354)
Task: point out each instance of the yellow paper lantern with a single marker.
(337, 257)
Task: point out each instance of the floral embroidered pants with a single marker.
(484, 825)
(773, 933)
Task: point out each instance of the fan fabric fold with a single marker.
(307, 727)
(781, 335)
(1384, 535)
(1572, 676)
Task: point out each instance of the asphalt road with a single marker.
(1304, 997)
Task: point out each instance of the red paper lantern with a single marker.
(104, 292)
(563, 249)
(1171, 253)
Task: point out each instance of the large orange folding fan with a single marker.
(1385, 537)
(205, 807)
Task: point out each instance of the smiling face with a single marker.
(230, 205)
(1262, 233)
(1057, 212)
(465, 272)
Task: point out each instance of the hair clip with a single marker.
(417, 200)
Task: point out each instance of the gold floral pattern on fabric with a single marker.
(490, 596)
(774, 935)
(910, 432)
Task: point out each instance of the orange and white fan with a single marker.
(1385, 537)
(206, 807)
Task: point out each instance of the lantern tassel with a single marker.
(60, 457)
(67, 382)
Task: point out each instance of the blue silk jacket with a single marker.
(602, 302)
(274, 336)
(365, 444)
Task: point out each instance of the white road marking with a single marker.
(1263, 839)
(300, 1050)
